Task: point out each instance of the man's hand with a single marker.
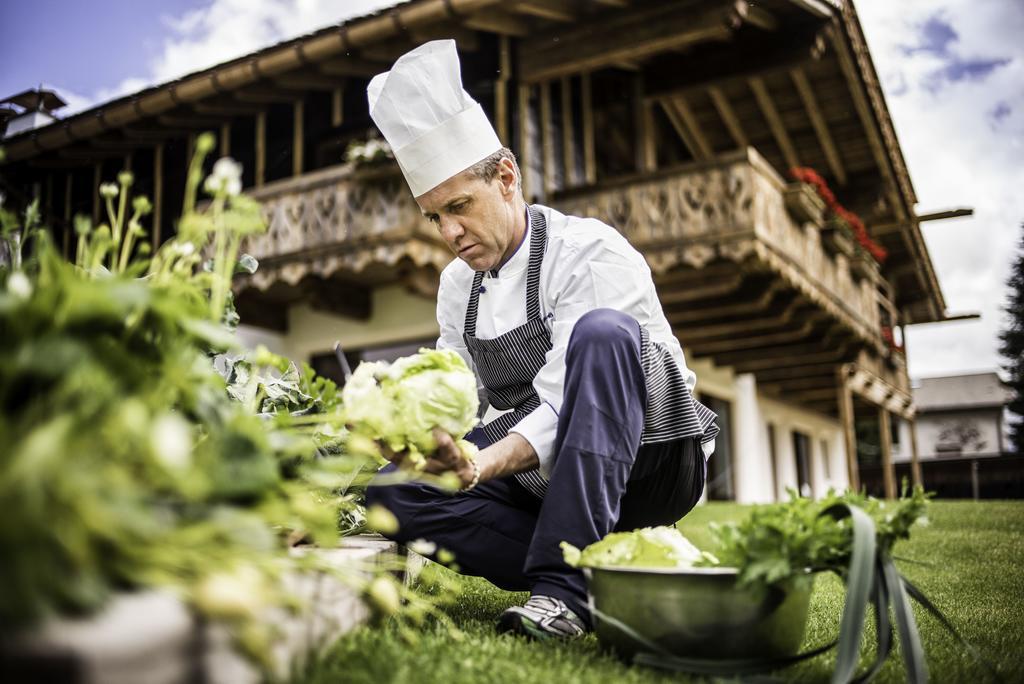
(449, 458)
(510, 454)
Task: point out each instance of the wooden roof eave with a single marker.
(230, 76)
(856, 62)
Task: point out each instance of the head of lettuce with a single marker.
(400, 404)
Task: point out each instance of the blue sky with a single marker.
(952, 72)
(86, 45)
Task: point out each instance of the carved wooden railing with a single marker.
(732, 208)
(340, 218)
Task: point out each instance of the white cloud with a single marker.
(959, 154)
(224, 30)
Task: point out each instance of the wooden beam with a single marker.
(547, 140)
(828, 146)
(750, 341)
(771, 115)
(502, 22)
(796, 359)
(298, 137)
(261, 148)
(263, 95)
(867, 118)
(589, 157)
(761, 18)
(501, 117)
(846, 421)
(338, 105)
(690, 315)
(649, 162)
(153, 135)
(523, 107)
(915, 461)
(158, 193)
(349, 67)
(466, 40)
(782, 373)
(643, 127)
(766, 321)
(682, 130)
(306, 81)
(686, 113)
(62, 163)
(731, 64)
(568, 136)
(221, 108)
(108, 144)
(552, 10)
(188, 121)
(728, 117)
(225, 140)
(88, 154)
(625, 37)
(800, 384)
(885, 439)
(710, 289)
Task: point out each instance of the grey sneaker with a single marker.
(543, 617)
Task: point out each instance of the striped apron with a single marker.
(509, 363)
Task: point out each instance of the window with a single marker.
(721, 479)
(802, 453)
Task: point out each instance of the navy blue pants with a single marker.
(602, 479)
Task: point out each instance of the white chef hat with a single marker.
(435, 128)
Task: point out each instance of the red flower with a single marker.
(803, 174)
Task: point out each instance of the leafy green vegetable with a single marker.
(400, 404)
(128, 459)
(775, 542)
(649, 547)
(779, 540)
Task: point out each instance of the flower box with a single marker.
(837, 240)
(803, 203)
(864, 267)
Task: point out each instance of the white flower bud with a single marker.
(423, 547)
(171, 441)
(19, 285)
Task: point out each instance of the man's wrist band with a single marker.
(476, 477)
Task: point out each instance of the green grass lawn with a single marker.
(975, 552)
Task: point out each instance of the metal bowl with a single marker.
(699, 612)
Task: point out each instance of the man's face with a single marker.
(477, 219)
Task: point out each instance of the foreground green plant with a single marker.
(142, 447)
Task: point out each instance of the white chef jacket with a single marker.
(587, 265)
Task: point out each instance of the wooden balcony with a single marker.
(747, 280)
(332, 236)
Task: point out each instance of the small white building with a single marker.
(958, 416)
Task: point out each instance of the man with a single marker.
(559, 318)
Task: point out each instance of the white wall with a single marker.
(396, 316)
(930, 427)
(818, 427)
(754, 479)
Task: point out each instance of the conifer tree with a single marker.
(1012, 347)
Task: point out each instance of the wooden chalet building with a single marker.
(675, 122)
